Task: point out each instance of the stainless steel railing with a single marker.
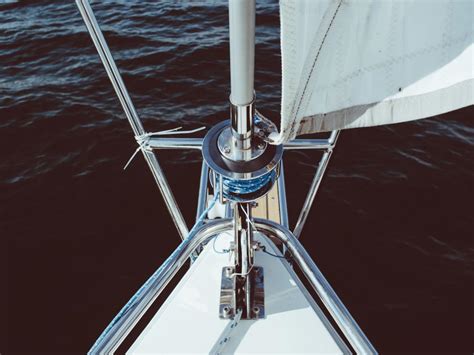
(349, 327)
(318, 177)
(188, 143)
(131, 113)
(118, 330)
(121, 326)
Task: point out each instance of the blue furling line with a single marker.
(152, 278)
(243, 187)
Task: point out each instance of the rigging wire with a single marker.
(262, 247)
(143, 139)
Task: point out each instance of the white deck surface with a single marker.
(188, 321)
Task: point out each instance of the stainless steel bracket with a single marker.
(258, 293)
(229, 299)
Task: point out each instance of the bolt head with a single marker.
(226, 149)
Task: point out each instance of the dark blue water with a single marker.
(391, 227)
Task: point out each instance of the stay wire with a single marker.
(262, 247)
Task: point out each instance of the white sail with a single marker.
(349, 63)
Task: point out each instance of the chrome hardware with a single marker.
(258, 163)
(241, 118)
(229, 303)
(120, 328)
(229, 148)
(318, 176)
(242, 129)
(227, 300)
(225, 150)
(132, 116)
(174, 143)
(264, 127)
(258, 294)
(203, 190)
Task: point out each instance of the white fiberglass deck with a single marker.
(188, 321)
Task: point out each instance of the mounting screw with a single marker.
(226, 149)
(256, 310)
(261, 146)
(226, 311)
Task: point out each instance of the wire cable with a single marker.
(264, 249)
(143, 139)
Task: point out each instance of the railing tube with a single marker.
(307, 144)
(315, 185)
(351, 330)
(202, 197)
(132, 116)
(175, 143)
(129, 316)
(121, 326)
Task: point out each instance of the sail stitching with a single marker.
(302, 96)
(425, 60)
(335, 119)
(395, 60)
